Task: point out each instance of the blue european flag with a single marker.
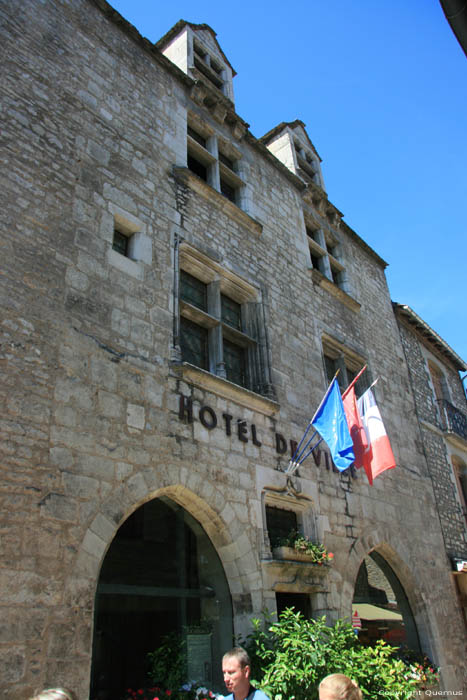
(331, 423)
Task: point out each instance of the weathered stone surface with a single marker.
(90, 429)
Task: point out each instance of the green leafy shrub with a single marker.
(167, 664)
(290, 657)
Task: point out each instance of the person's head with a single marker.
(55, 694)
(236, 666)
(339, 687)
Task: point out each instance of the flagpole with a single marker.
(292, 461)
(325, 395)
(371, 386)
(354, 382)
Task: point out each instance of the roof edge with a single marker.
(432, 336)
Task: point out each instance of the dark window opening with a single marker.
(208, 72)
(336, 276)
(235, 365)
(216, 67)
(231, 312)
(193, 290)
(196, 137)
(315, 261)
(280, 523)
(228, 191)
(120, 242)
(300, 602)
(194, 343)
(226, 161)
(313, 234)
(199, 50)
(197, 168)
(331, 366)
(362, 384)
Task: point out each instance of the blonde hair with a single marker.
(54, 694)
(341, 687)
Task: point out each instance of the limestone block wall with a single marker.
(95, 122)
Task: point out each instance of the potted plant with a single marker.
(297, 547)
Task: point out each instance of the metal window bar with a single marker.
(454, 421)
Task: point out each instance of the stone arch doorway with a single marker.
(161, 575)
(382, 605)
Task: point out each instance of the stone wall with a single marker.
(434, 440)
(95, 121)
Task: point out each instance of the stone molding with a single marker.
(186, 177)
(322, 281)
(227, 390)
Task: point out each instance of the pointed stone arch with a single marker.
(202, 499)
(398, 556)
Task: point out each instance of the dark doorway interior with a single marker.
(161, 575)
(299, 601)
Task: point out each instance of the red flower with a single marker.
(168, 692)
(331, 555)
(140, 692)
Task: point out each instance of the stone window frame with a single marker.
(326, 254)
(459, 470)
(301, 505)
(439, 387)
(307, 162)
(347, 361)
(139, 245)
(209, 66)
(220, 281)
(214, 156)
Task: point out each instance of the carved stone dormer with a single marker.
(290, 143)
(196, 51)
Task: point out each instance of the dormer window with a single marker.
(306, 161)
(208, 66)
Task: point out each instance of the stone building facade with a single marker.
(441, 409)
(175, 295)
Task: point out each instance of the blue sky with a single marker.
(382, 89)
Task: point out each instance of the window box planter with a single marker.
(291, 554)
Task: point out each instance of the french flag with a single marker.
(378, 455)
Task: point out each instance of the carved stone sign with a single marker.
(247, 432)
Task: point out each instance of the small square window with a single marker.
(120, 242)
(280, 523)
(193, 290)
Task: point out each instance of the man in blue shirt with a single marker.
(236, 667)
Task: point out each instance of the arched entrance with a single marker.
(382, 605)
(161, 575)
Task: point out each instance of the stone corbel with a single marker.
(219, 113)
(238, 130)
(198, 93)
